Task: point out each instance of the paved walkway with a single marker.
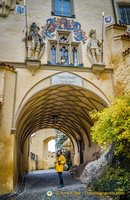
(37, 183)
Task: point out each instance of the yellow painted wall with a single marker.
(6, 138)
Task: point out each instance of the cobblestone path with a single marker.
(37, 183)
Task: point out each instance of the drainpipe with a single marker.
(14, 104)
(114, 11)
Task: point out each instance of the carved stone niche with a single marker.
(33, 65)
(6, 6)
(98, 68)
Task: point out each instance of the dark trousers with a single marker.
(60, 178)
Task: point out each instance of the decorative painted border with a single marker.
(63, 24)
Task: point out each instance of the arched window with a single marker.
(64, 55)
(75, 57)
(63, 50)
(63, 8)
(53, 55)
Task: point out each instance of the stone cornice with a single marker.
(124, 36)
(117, 26)
(7, 66)
(60, 68)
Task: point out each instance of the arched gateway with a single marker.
(57, 99)
(64, 97)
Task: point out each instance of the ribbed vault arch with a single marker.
(71, 104)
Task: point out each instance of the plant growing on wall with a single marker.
(113, 125)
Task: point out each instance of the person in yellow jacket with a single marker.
(60, 161)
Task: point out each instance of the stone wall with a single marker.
(120, 58)
(94, 169)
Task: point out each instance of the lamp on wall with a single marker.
(55, 119)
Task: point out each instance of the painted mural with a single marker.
(60, 23)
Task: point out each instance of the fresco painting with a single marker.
(60, 23)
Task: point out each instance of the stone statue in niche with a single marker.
(37, 45)
(93, 48)
(6, 6)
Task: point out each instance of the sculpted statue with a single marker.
(37, 45)
(93, 48)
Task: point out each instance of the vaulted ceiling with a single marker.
(63, 107)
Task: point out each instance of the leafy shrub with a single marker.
(115, 180)
(113, 125)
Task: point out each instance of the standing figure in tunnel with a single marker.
(60, 161)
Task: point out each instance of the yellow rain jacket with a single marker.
(61, 158)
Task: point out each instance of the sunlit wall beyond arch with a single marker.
(38, 148)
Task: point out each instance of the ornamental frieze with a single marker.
(48, 31)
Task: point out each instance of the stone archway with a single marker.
(32, 107)
(71, 104)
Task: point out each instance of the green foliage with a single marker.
(114, 180)
(113, 125)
